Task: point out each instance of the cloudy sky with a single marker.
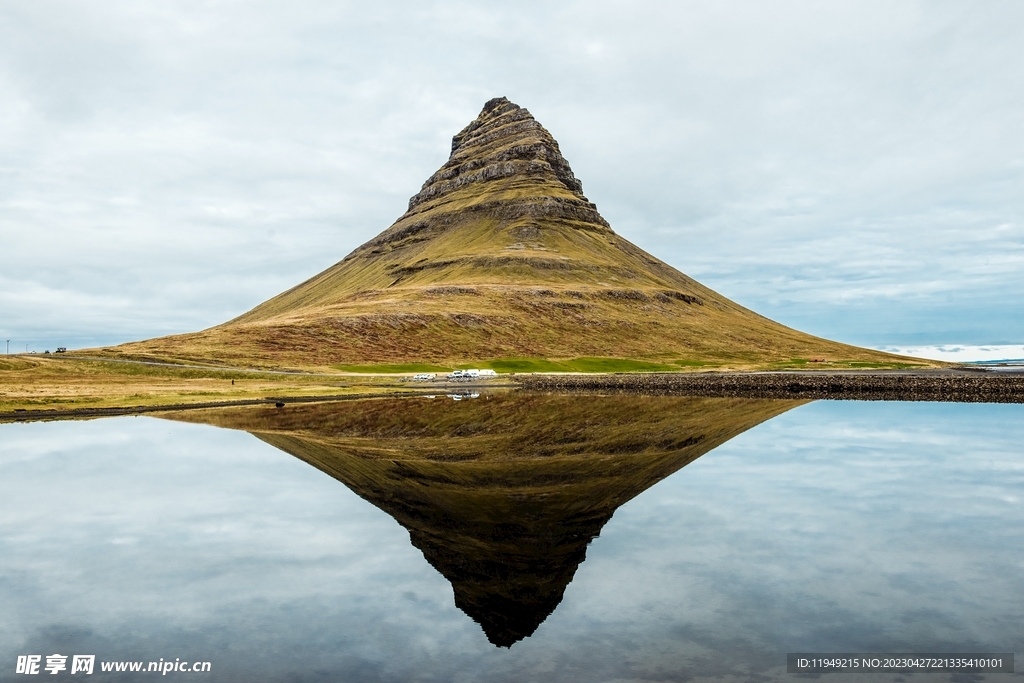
(852, 169)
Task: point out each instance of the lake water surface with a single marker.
(515, 538)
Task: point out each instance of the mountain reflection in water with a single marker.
(502, 493)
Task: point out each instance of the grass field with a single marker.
(577, 365)
(391, 368)
(49, 383)
(68, 383)
(510, 365)
(602, 365)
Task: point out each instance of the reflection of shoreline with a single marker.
(501, 494)
(86, 413)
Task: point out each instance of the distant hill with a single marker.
(500, 255)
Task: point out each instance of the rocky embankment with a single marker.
(964, 387)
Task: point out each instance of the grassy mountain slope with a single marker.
(500, 255)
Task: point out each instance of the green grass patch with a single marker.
(521, 365)
(574, 365)
(383, 368)
(166, 371)
(692, 363)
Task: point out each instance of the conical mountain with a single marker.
(499, 255)
(501, 494)
(504, 210)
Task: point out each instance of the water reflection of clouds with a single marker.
(836, 526)
(232, 548)
(810, 533)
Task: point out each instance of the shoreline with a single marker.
(28, 415)
(953, 385)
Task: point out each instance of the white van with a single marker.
(488, 373)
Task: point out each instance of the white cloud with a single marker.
(962, 353)
(822, 164)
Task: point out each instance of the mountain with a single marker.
(499, 255)
(502, 494)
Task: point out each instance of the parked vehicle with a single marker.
(424, 377)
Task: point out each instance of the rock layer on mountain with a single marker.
(502, 494)
(499, 255)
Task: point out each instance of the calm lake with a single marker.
(515, 537)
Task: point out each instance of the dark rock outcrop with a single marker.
(504, 141)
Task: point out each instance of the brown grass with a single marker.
(407, 325)
(41, 383)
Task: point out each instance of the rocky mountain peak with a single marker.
(504, 142)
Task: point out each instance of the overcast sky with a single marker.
(851, 169)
